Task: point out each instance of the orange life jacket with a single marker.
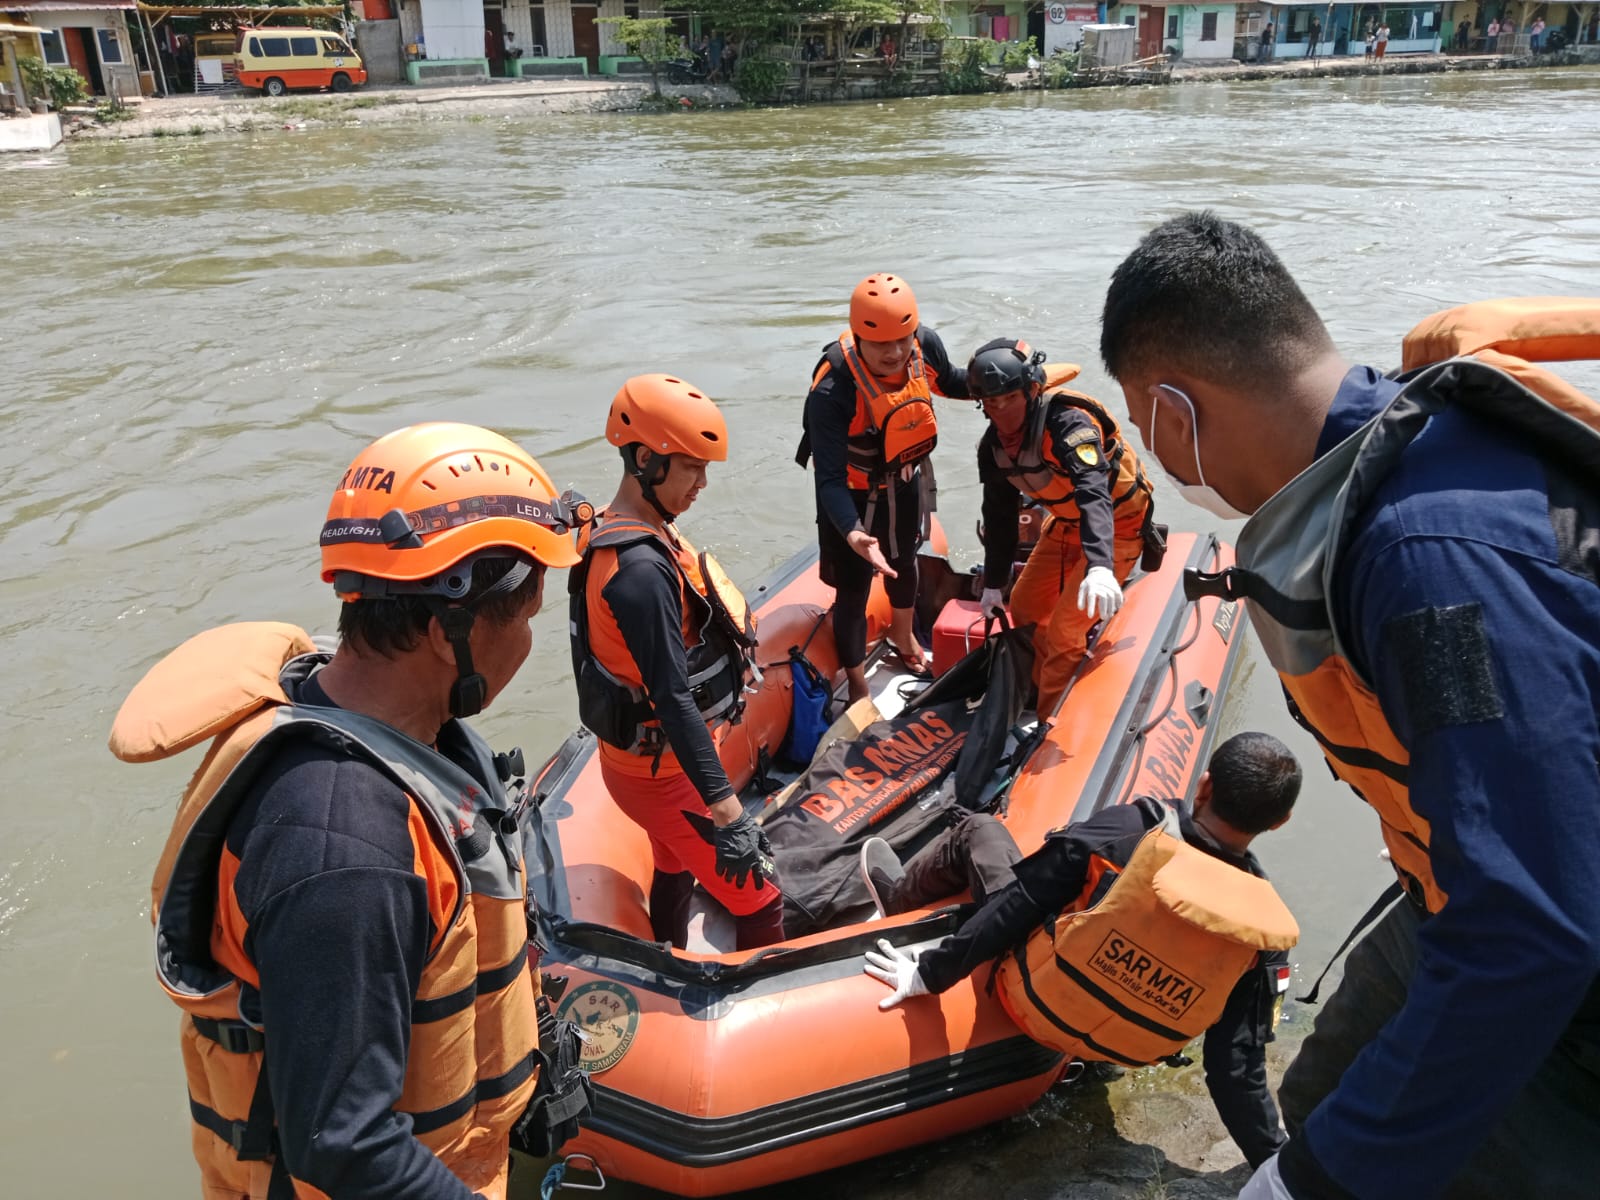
(1479, 356)
(719, 632)
(1038, 473)
(471, 1065)
(891, 428)
(1139, 975)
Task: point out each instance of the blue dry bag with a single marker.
(811, 714)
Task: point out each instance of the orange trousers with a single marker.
(1046, 595)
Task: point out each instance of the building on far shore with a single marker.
(90, 36)
(467, 31)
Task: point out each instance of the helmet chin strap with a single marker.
(649, 477)
(470, 690)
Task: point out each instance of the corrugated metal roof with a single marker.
(63, 5)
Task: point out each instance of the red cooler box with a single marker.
(957, 632)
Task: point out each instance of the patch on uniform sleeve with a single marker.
(1088, 453)
(1446, 672)
(1084, 433)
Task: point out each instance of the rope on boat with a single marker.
(555, 1179)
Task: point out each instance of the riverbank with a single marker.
(185, 115)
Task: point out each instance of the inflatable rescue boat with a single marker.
(717, 1071)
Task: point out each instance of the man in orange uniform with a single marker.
(1066, 452)
(662, 649)
(869, 421)
(340, 908)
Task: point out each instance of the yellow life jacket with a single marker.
(1149, 968)
(471, 1065)
(1481, 357)
(1037, 472)
(719, 632)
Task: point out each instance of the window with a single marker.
(1172, 25)
(274, 47)
(55, 53)
(110, 49)
(303, 47)
(1208, 27)
(334, 48)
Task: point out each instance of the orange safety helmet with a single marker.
(666, 415)
(882, 309)
(426, 498)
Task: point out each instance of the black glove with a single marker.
(743, 851)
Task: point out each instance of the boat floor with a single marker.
(711, 927)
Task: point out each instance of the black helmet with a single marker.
(1004, 365)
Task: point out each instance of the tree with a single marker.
(649, 38)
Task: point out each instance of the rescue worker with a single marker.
(1421, 568)
(870, 424)
(340, 908)
(1064, 451)
(662, 650)
(1090, 899)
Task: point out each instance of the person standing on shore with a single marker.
(1314, 39)
(341, 907)
(1264, 47)
(1422, 565)
(1382, 40)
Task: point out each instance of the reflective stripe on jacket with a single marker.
(1293, 544)
(471, 1065)
(1138, 974)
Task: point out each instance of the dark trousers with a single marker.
(1546, 1146)
(977, 855)
(850, 575)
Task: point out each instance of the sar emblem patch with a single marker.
(1088, 453)
(1141, 976)
(607, 1014)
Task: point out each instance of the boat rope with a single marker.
(555, 1179)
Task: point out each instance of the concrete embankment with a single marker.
(1409, 64)
(184, 115)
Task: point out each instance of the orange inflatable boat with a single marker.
(717, 1071)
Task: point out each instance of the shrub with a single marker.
(62, 85)
(759, 80)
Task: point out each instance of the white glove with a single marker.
(1266, 1183)
(895, 969)
(1098, 594)
(991, 601)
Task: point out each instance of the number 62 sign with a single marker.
(1058, 14)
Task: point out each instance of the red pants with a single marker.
(669, 809)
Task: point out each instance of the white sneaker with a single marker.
(881, 871)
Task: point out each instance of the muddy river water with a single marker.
(196, 335)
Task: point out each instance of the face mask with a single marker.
(1202, 494)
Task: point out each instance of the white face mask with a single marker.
(1202, 494)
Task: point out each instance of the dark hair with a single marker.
(394, 624)
(1208, 297)
(1255, 779)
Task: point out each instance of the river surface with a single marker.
(196, 335)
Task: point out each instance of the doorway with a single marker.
(586, 35)
(494, 39)
(1152, 31)
(79, 44)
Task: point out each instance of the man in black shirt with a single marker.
(1249, 787)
